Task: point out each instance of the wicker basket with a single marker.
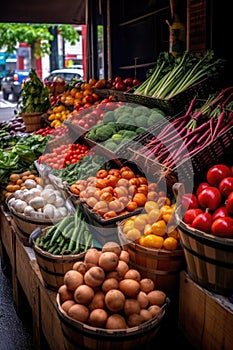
(78, 335)
(52, 267)
(176, 103)
(162, 266)
(33, 121)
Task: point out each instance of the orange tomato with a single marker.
(140, 199)
(170, 243)
(151, 241)
(159, 228)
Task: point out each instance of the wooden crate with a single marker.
(7, 236)
(50, 323)
(205, 318)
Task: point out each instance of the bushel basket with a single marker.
(33, 121)
(52, 267)
(79, 335)
(160, 265)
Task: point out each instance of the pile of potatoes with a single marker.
(103, 291)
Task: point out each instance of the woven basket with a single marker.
(176, 103)
(53, 267)
(160, 265)
(33, 121)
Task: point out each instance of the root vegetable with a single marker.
(73, 279)
(91, 257)
(110, 283)
(133, 274)
(142, 298)
(147, 285)
(129, 287)
(67, 304)
(98, 301)
(108, 261)
(156, 297)
(124, 256)
(131, 306)
(94, 277)
(155, 310)
(145, 314)
(80, 266)
(134, 320)
(98, 318)
(116, 321)
(112, 247)
(114, 300)
(65, 293)
(83, 294)
(79, 312)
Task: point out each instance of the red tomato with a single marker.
(189, 201)
(201, 187)
(216, 174)
(222, 227)
(226, 186)
(190, 215)
(210, 198)
(229, 203)
(220, 212)
(202, 222)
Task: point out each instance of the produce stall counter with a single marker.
(27, 283)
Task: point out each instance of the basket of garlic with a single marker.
(37, 206)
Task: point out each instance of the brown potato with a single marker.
(112, 247)
(98, 318)
(91, 257)
(124, 256)
(134, 320)
(67, 304)
(146, 315)
(108, 261)
(155, 310)
(133, 274)
(129, 287)
(73, 279)
(114, 300)
(122, 268)
(116, 321)
(95, 276)
(83, 294)
(79, 312)
(131, 306)
(147, 285)
(110, 283)
(65, 293)
(143, 300)
(80, 266)
(156, 297)
(98, 301)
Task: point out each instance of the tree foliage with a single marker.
(38, 35)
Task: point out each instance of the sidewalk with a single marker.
(15, 334)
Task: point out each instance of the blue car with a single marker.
(12, 84)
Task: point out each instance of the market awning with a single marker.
(43, 11)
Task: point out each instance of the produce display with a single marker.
(172, 75)
(64, 154)
(61, 130)
(116, 192)
(118, 83)
(192, 131)
(34, 96)
(155, 228)
(210, 208)
(104, 292)
(123, 124)
(71, 235)
(38, 201)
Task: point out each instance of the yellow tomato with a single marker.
(159, 227)
(128, 225)
(170, 243)
(151, 241)
(140, 222)
(147, 230)
(51, 117)
(153, 215)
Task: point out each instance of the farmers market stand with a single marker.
(207, 326)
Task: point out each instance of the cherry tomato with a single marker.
(220, 212)
(222, 227)
(217, 173)
(190, 215)
(210, 198)
(203, 222)
(201, 187)
(229, 203)
(189, 201)
(226, 186)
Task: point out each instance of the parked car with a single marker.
(12, 83)
(65, 74)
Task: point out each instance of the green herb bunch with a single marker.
(34, 95)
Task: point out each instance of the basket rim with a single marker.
(113, 332)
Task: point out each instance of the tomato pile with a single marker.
(210, 208)
(48, 130)
(64, 155)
